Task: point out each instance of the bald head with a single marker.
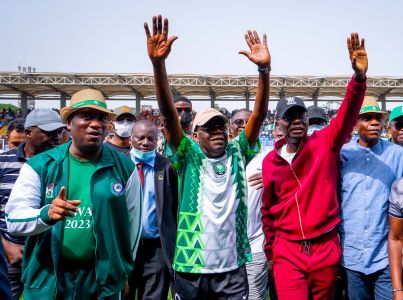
(144, 135)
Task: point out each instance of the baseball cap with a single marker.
(286, 103)
(396, 113)
(124, 110)
(45, 119)
(202, 117)
(316, 112)
(370, 105)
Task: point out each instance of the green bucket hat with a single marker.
(370, 105)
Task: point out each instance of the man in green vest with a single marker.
(80, 206)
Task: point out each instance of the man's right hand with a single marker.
(60, 208)
(358, 56)
(158, 44)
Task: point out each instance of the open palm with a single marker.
(358, 55)
(259, 53)
(158, 44)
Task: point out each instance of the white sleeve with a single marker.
(23, 212)
(134, 200)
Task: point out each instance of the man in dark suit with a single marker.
(153, 265)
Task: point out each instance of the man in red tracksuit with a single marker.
(300, 199)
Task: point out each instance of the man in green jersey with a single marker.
(80, 206)
(212, 243)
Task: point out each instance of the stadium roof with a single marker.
(36, 84)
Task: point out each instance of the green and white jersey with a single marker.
(212, 222)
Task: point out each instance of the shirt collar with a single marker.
(151, 162)
(20, 151)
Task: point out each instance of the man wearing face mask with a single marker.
(153, 265)
(123, 124)
(317, 119)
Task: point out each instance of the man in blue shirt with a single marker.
(154, 257)
(369, 166)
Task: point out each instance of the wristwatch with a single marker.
(264, 70)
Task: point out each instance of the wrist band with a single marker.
(398, 290)
(264, 70)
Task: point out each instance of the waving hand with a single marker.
(158, 43)
(358, 55)
(259, 53)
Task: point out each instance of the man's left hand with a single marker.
(259, 53)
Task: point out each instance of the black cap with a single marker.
(317, 112)
(285, 103)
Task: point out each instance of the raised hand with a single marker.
(259, 53)
(358, 55)
(158, 44)
(60, 208)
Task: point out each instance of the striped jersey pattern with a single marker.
(10, 165)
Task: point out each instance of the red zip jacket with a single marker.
(300, 201)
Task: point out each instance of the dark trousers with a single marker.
(79, 284)
(376, 286)
(150, 277)
(231, 285)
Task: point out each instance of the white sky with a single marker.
(305, 37)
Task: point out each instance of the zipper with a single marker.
(94, 231)
(296, 198)
(296, 201)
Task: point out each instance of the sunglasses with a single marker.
(240, 122)
(289, 117)
(185, 109)
(398, 125)
(212, 128)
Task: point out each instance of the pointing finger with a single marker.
(62, 193)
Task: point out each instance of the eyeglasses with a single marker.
(240, 122)
(185, 109)
(398, 125)
(209, 129)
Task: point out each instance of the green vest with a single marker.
(114, 248)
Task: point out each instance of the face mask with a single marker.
(142, 156)
(313, 128)
(123, 128)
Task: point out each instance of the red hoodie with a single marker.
(300, 201)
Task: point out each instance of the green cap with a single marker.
(396, 113)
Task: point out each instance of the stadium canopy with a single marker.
(202, 87)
